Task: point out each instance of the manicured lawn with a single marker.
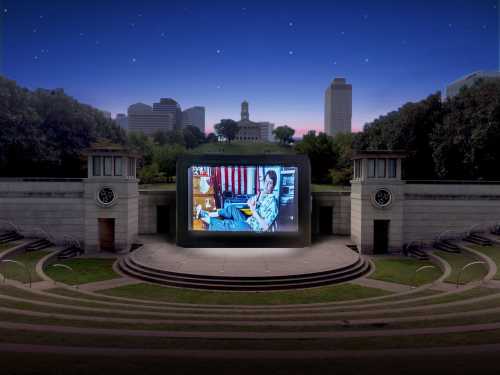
(493, 252)
(317, 188)
(457, 262)
(168, 187)
(17, 272)
(402, 271)
(340, 292)
(85, 270)
(243, 148)
(7, 246)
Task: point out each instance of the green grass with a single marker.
(85, 270)
(7, 246)
(321, 188)
(236, 147)
(457, 262)
(492, 252)
(402, 271)
(167, 187)
(340, 292)
(16, 272)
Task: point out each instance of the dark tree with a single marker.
(227, 128)
(193, 136)
(284, 134)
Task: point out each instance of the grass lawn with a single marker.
(167, 187)
(457, 262)
(85, 270)
(7, 246)
(236, 147)
(16, 272)
(340, 292)
(402, 271)
(492, 252)
(317, 188)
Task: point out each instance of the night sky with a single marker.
(278, 55)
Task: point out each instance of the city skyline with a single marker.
(279, 58)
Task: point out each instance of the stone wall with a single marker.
(431, 209)
(55, 206)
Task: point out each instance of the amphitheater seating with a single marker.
(447, 246)
(477, 239)
(39, 245)
(69, 252)
(416, 251)
(9, 236)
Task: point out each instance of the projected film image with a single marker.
(244, 198)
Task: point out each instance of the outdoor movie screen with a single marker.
(257, 198)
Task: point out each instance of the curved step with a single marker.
(353, 271)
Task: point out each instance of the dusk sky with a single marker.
(278, 55)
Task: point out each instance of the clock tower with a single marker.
(377, 195)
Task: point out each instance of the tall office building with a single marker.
(122, 120)
(194, 116)
(338, 107)
(171, 107)
(469, 80)
(142, 118)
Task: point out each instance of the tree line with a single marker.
(43, 133)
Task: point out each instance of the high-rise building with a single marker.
(122, 120)
(469, 80)
(142, 118)
(338, 107)
(194, 116)
(171, 107)
(250, 131)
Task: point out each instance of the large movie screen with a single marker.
(260, 198)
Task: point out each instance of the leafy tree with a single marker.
(341, 174)
(211, 138)
(284, 134)
(321, 151)
(227, 128)
(193, 136)
(166, 158)
(409, 129)
(466, 143)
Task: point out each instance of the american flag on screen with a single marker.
(239, 179)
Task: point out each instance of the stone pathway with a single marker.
(379, 284)
(109, 284)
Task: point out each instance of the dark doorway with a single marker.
(107, 234)
(326, 220)
(381, 236)
(163, 219)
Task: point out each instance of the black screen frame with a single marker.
(190, 238)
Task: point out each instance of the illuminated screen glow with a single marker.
(249, 198)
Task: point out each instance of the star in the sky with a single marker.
(290, 52)
(35, 30)
(35, 57)
(82, 34)
(163, 35)
(218, 52)
(218, 86)
(5, 10)
(41, 17)
(342, 33)
(290, 23)
(450, 25)
(132, 24)
(134, 59)
(335, 63)
(139, 15)
(367, 60)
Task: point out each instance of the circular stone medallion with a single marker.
(382, 198)
(106, 196)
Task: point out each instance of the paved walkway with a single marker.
(108, 284)
(379, 284)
